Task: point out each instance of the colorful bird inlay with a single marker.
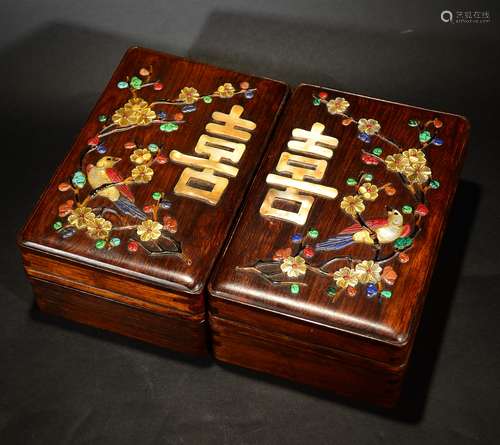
(118, 219)
(389, 236)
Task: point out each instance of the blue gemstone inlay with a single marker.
(371, 290)
(188, 108)
(68, 232)
(364, 137)
(164, 204)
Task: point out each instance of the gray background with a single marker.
(61, 383)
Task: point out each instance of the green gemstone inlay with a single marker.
(115, 242)
(377, 151)
(331, 291)
(407, 209)
(403, 243)
(168, 127)
(207, 99)
(386, 293)
(294, 288)
(413, 123)
(153, 148)
(57, 225)
(351, 181)
(434, 184)
(156, 195)
(316, 101)
(313, 233)
(368, 177)
(102, 118)
(79, 179)
(100, 244)
(425, 136)
(135, 82)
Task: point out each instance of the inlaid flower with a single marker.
(368, 271)
(170, 224)
(281, 254)
(98, 228)
(368, 126)
(149, 230)
(397, 162)
(345, 277)
(294, 266)
(142, 174)
(415, 156)
(389, 275)
(352, 205)
(189, 95)
(368, 191)
(337, 106)
(80, 217)
(418, 173)
(227, 90)
(66, 208)
(135, 112)
(140, 156)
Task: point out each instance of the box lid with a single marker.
(154, 180)
(345, 217)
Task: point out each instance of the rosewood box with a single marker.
(325, 276)
(127, 232)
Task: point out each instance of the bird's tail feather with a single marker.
(129, 208)
(335, 243)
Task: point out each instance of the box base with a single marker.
(185, 336)
(330, 370)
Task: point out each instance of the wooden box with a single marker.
(326, 274)
(126, 234)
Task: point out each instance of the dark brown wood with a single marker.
(381, 331)
(324, 369)
(170, 286)
(112, 315)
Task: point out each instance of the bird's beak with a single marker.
(115, 160)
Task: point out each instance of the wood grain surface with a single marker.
(158, 299)
(382, 329)
(202, 228)
(122, 318)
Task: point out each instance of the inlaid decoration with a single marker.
(119, 221)
(390, 237)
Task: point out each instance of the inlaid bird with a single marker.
(120, 195)
(386, 230)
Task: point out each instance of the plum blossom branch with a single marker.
(375, 274)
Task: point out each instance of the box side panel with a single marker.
(180, 335)
(324, 372)
(308, 333)
(114, 287)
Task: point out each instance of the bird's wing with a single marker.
(372, 223)
(116, 177)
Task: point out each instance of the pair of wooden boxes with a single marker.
(316, 271)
